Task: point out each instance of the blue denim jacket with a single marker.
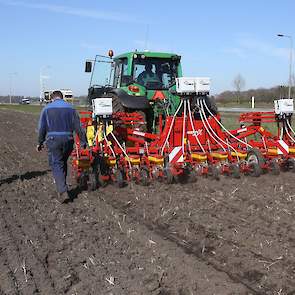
(59, 118)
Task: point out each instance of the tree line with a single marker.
(265, 95)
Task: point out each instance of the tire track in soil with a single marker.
(280, 278)
(9, 258)
(188, 247)
(38, 218)
(29, 255)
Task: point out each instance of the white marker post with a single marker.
(252, 102)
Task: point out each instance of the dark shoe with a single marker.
(62, 197)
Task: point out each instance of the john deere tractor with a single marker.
(137, 81)
(140, 81)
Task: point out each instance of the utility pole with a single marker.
(290, 61)
(42, 83)
(10, 85)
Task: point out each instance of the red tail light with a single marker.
(133, 88)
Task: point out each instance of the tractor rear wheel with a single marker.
(117, 105)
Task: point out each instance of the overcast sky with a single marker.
(218, 39)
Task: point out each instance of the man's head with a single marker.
(56, 95)
(148, 67)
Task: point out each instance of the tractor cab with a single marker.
(137, 81)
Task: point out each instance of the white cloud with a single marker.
(247, 45)
(102, 15)
(264, 48)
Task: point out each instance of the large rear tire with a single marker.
(117, 105)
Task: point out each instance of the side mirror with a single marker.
(88, 67)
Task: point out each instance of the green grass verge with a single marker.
(28, 108)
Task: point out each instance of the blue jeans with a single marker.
(59, 150)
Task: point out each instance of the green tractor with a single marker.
(137, 81)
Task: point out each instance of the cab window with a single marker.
(120, 70)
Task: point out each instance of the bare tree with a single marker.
(239, 84)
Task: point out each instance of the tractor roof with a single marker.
(147, 54)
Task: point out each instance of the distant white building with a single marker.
(67, 95)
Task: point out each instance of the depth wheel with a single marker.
(213, 172)
(102, 181)
(82, 181)
(119, 178)
(92, 183)
(274, 167)
(234, 171)
(255, 156)
(168, 176)
(254, 170)
(290, 165)
(144, 176)
(192, 176)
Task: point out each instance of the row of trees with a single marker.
(260, 94)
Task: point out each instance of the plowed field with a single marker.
(210, 237)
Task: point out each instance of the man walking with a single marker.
(58, 121)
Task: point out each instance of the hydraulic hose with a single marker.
(171, 126)
(222, 126)
(122, 149)
(193, 127)
(290, 127)
(202, 113)
(289, 135)
(203, 119)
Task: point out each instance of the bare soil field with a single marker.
(210, 237)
